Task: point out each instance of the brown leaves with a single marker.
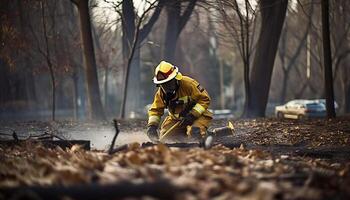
(217, 173)
(36, 165)
(311, 133)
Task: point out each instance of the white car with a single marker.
(222, 114)
(301, 109)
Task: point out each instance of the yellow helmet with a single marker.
(165, 72)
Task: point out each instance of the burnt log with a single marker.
(85, 144)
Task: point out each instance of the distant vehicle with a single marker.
(301, 109)
(222, 114)
(323, 101)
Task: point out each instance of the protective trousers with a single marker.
(201, 125)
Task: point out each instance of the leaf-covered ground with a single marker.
(217, 173)
(309, 133)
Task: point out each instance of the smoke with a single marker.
(101, 139)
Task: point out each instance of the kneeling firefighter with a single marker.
(186, 100)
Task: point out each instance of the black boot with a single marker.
(205, 141)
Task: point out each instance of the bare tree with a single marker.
(241, 23)
(11, 43)
(95, 103)
(341, 50)
(177, 18)
(304, 84)
(327, 56)
(289, 58)
(133, 35)
(72, 44)
(48, 60)
(272, 18)
(29, 78)
(46, 53)
(136, 24)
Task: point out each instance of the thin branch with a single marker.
(115, 123)
(186, 15)
(147, 27)
(75, 2)
(301, 43)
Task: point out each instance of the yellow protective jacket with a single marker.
(189, 96)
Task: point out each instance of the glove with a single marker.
(188, 120)
(152, 133)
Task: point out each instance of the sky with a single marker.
(105, 12)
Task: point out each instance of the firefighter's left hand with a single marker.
(152, 133)
(188, 120)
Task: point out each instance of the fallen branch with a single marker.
(51, 143)
(117, 149)
(43, 136)
(15, 137)
(5, 134)
(110, 151)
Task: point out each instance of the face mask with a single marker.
(169, 87)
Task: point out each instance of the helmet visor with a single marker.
(164, 75)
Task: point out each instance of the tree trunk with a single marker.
(90, 61)
(105, 67)
(128, 25)
(293, 60)
(222, 87)
(246, 52)
(49, 63)
(71, 23)
(53, 90)
(105, 88)
(126, 80)
(272, 14)
(175, 23)
(282, 56)
(171, 35)
(29, 78)
(347, 98)
(79, 93)
(247, 87)
(132, 76)
(133, 84)
(327, 59)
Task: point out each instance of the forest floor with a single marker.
(264, 159)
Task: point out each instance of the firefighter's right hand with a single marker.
(152, 133)
(188, 120)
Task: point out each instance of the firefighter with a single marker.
(186, 100)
